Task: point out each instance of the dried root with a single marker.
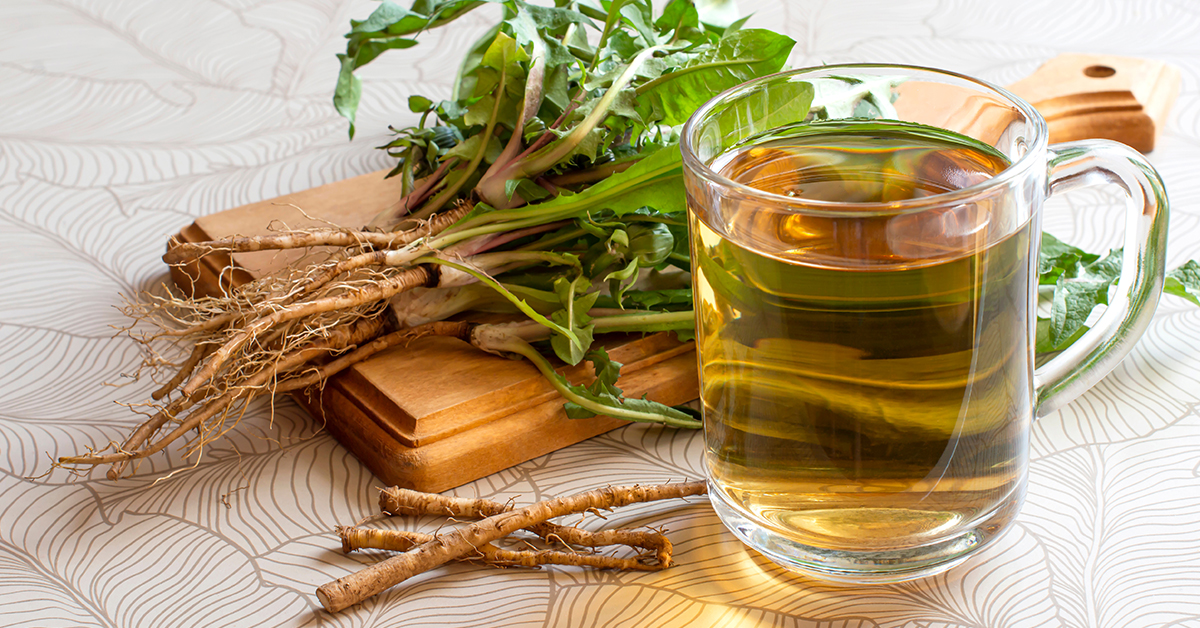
(475, 539)
(180, 252)
(402, 501)
(356, 538)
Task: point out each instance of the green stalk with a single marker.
(551, 155)
(645, 321)
(513, 344)
(552, 242)
(679, 257)
(569, 207)
(591, 175)
(649, 85)
(434, 205)
(491, 186)
(632, 321)
(614, 16)
(514, 299)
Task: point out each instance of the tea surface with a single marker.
(865, 379)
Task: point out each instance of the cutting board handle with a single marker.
(1102, 96)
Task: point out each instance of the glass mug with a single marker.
(866, 294)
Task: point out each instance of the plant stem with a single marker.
(569, 208)
(516, 345)
(449, 192)
(389, 218)
(597, 173)
(528, 310)
(539, 163)
(554, 241)
(640, 321)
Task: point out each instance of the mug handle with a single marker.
(1081, 365)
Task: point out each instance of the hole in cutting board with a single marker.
(1099, 71)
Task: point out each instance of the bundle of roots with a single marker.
(476, 542)
(279, 333)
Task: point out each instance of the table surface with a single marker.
(122, 120)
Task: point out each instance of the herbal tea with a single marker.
(865, 378)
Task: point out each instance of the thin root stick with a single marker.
(187, 251)
(375, 292)
(356, 587)
(148, 429)
(354, 538)
(402, 501)
(338, 340)
(198, 353)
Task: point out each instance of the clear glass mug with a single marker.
(867, 369)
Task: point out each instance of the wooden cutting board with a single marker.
(438, 414)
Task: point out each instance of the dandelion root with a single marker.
(356, 538)
(359, 586)
(402, 501)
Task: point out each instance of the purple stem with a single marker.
(489, 242)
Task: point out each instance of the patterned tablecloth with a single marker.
(122, 120)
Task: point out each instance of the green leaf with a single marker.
(1056, 257)
(607, 372)
(1079, 287)
(685, 335)
(783, 104)
(610, 405)
(383, 30)
(681, 256)
(1107, 268)
(465, 82)
(604, 391)
(620, 280)
(481, 111)
(366, 49)
(419, 104)
(348, 92)
(671, 299)
(854, 96)
(650, 243)
(503, 51)
(388, 14)
(637, 13)
(1185, 282)
(743, 55)
(681, 19)
(621, 45)
(450, 110)
(655, 181)
(735, 26)
(1073, 302)
(576, 301)
(583, 402)
(532, 22)
(567, 349)
(466, 149)
(528, 190)
(556, 87)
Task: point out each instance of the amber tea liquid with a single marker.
(865, 379)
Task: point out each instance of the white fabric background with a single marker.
(122, 120)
